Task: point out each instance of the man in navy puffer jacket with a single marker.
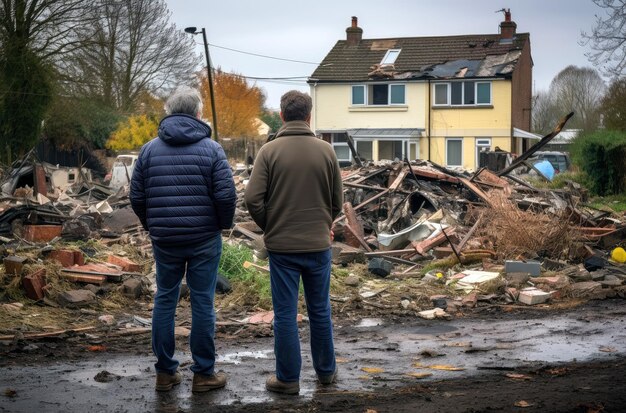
(183, 192)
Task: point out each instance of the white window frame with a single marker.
(391, 55)
(481, 143)
(451, 140)
(364, 95)
(343, 144)
(476, 93)
(434, 100)
(449, 94)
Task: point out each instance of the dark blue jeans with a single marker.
(199, 263)
(285, 271)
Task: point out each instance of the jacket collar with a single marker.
(295, 128)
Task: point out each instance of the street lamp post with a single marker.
(193, 30)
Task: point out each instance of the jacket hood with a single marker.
(295, 127)
(181, 129)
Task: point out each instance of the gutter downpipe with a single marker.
(429, 111)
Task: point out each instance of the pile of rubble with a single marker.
(413, 237)
(490, 235)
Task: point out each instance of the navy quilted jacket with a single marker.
(182, 187)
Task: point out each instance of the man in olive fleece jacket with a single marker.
(294, 194)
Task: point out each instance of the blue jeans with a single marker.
(285, 271)
(200, 263)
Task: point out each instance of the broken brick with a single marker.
(14, 264)
(34, 284)
(64, 257)
(126, 264)
(41, 233)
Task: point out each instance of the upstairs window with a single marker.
(358, 95)
(467, 93)
(380, 94)
(390, 57)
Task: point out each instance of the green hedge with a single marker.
(602, 157)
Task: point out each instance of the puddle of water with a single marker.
(238, 357)
(370, 322)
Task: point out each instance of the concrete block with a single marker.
(41, 233)
(14, 264)
(380, 267)
(587, 289)
(532, 296)
(132, 288)
(76, 298)
(517, 279)
(531, 267)
(126, 264)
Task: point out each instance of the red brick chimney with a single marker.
(354, 33)
(507, 27)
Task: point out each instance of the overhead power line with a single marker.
(260, 55)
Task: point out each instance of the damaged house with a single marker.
(443, 99)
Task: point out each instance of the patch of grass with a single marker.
(616, 203)
(560, 180)
(231, 266)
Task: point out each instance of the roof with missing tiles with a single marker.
(422, 57)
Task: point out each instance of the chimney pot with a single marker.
(507, 27)
(354, 33)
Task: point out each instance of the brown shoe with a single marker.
(165, 382)
(202, 383)
(284, 387)
(330, 379)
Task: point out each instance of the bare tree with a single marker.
(133, 48)
(34, 36)
(608, 38)
(545, 113)
(578, 89)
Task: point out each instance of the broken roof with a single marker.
(482, 55)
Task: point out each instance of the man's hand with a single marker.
(332, 236)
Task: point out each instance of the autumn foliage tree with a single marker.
(237, 104)
(134, 132)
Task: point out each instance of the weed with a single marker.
(231, 266)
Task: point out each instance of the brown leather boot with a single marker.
(284, 387)
(165, 382)
(330, 379)
(202, 383)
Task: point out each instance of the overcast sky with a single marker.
(306, 31)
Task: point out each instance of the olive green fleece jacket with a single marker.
(295, 190)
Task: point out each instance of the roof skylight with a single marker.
(390, 56)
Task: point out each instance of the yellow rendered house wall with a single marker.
(333, 109)
(470, 123)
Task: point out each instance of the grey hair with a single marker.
(185, 100)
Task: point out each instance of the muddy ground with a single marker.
(495, 359)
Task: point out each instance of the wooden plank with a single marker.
(428, 173)
(476, 190)
(56, 333)
(424, 246)
(396, 183)
(390, 253)
(85, 278)
(358, 239)
(520, 159)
